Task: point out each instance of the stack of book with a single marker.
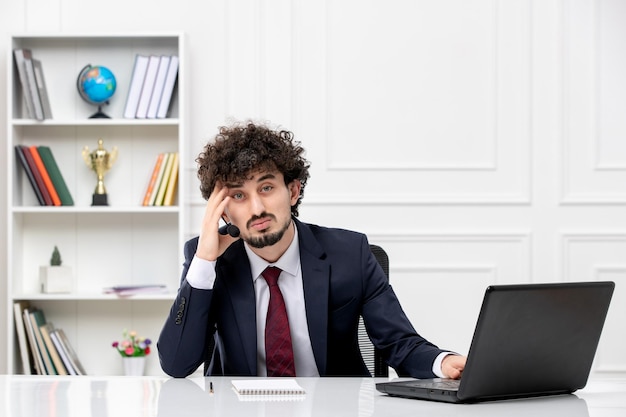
(163, 181)
(33, 84)
(151, 87)
(44, 349)
(44, 175)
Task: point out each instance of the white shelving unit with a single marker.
(120, 244)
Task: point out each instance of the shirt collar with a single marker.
(289, 262)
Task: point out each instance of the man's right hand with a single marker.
(211, 244)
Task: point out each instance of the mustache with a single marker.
(259, 217)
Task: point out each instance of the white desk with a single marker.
(30, 396)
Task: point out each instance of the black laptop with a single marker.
(530, 340)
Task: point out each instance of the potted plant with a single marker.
(55, 278)
(133, 350)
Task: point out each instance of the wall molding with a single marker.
(361, 200)
(569, 146)
(567, 239)
(418, 268)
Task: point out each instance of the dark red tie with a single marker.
(278, 350)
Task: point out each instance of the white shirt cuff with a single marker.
(437, 364)
(201, 273)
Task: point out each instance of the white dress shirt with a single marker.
(201, 275)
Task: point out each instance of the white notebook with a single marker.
(278, 386)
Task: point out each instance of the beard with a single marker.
(268, 239)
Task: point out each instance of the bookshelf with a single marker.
(124, 243)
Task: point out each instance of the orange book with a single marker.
(153, 179)
(44, 175)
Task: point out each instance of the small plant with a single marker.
(56, 257)
(132, 345)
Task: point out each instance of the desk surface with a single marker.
(29, 396)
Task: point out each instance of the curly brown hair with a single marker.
(240, 150)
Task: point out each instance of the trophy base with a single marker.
(99, 200)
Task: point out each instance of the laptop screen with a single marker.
(535, 338)
(529, 340)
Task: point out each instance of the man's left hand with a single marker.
(452, 366)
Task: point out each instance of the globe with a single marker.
(96, 85)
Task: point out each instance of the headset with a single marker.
(229, 229)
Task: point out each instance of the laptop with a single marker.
(529, 340)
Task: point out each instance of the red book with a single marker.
(38, 179)
(56, 201)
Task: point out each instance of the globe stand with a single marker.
(100, 114)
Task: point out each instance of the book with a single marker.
(38, 319)
(22, 340)
(136, 83)
(41, 89)
(159, 180)
(29, 174)
(164, 180)
(36, 174)
(172, 181)
(148, 87)
(62, 353)
(168, 88)
(20, 55)
(153, 179)
(159, 83)
(278, 386)
(56, 201)
(32, 86)
(76, 364)
(55, 175)
(32, 342)
(45, 330)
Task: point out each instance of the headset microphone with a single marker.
(230, 229)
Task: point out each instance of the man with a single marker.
(253, 178)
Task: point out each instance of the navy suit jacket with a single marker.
(342, 280)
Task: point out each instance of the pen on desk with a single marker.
(211, 387)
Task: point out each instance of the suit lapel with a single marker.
(316, 282)
(240, 287)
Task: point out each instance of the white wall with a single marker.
(478, 141)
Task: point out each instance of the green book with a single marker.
(55, 176)
(38, 319)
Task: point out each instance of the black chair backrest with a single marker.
(372, 357)
(381, 257)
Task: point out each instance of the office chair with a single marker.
(372, 357)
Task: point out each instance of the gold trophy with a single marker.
(100, 161)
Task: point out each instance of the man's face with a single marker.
(261, 207)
